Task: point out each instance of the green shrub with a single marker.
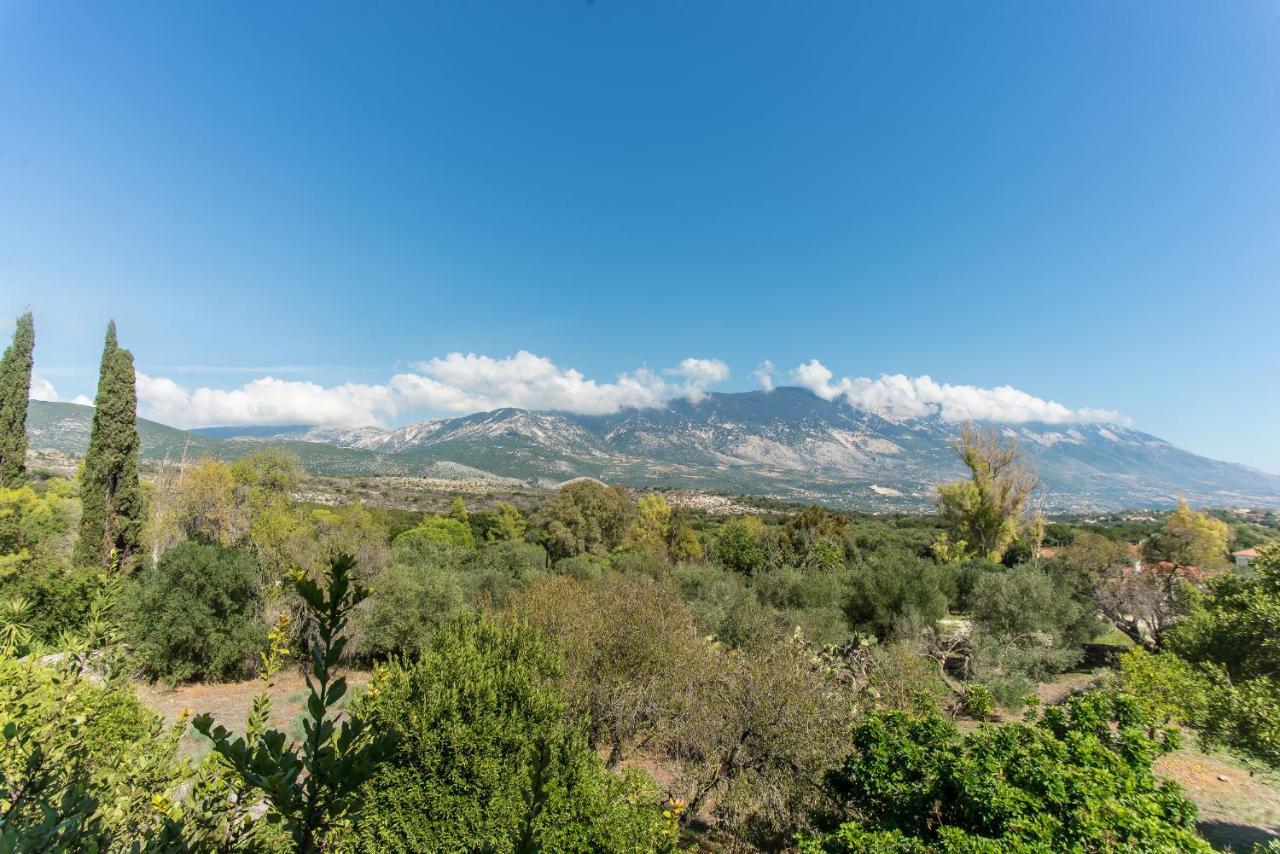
(439, 529)
(588, 568)
(485, 759)
(895, 594)
(1079, 780)
(490, 574)
(958, 581)
(979, 703)
(59, 599)
(82, 766)
(407, 605)
(900, 678)
(1024, 601)
(710, 590)
(740, 545)
(1232, 638)
(637, 563)
(193, 615)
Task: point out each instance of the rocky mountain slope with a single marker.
(787, 443)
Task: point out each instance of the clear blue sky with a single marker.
(1081, 200)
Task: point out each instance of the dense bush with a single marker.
(895, 594)
(194, 614)
(1232, 637)
(586, 567)
(711, 592)
(626, 643)
(491, 573)
(1079, 780)
(1025, 601)
(740, 545)
(484, 758)
(960, 579)
(585, 517)
(409, 604)
(82, 766)
(438, 529)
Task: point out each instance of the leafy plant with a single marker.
(310, 787)
(194, 614)
(1080, 779)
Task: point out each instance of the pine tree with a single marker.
(110, 495)
(15, 387)
(459, 510)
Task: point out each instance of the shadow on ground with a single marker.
(1241, 838)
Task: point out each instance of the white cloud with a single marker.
(462, 383)
(699, 376)
(900, 396)
(41, 389)
(455, 383)
(471, 382)
(267, 400)
(82, 399)
(764, 374)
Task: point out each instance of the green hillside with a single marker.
(64, 427)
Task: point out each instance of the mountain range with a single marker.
(788, 444)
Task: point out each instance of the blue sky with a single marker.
(1077, 200)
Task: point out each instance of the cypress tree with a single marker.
(110, 495)
(15, 387)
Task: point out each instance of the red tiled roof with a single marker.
(1245, 553)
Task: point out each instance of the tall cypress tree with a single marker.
(110, 495)
(15, 387)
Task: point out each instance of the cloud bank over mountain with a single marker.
(900, 396)
(459, 383)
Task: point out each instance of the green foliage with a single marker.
(1169, 689)
(1079, 780)
(82, 766)
(894, 594)
(622, 642)
(983, 513)
(959, 580)
(111, 497)
(740, 546)
(711, 591)
(1232, 636)
(408, 604)
(1026, 601)
(751, 736)
(484, 758)
(312, 787)
(444, 530)
(659, 531)
(15, 386)
(32, 525)
(508, 524)
(493, 573)
(979, 703)
(900, 678)
(458, 510)
(1189, 538)
(813, 539)
(582, 567)
(194, 614)
(585, 517)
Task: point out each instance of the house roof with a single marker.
(1245, 553)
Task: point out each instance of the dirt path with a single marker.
(1237, 809)
(229, 702)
